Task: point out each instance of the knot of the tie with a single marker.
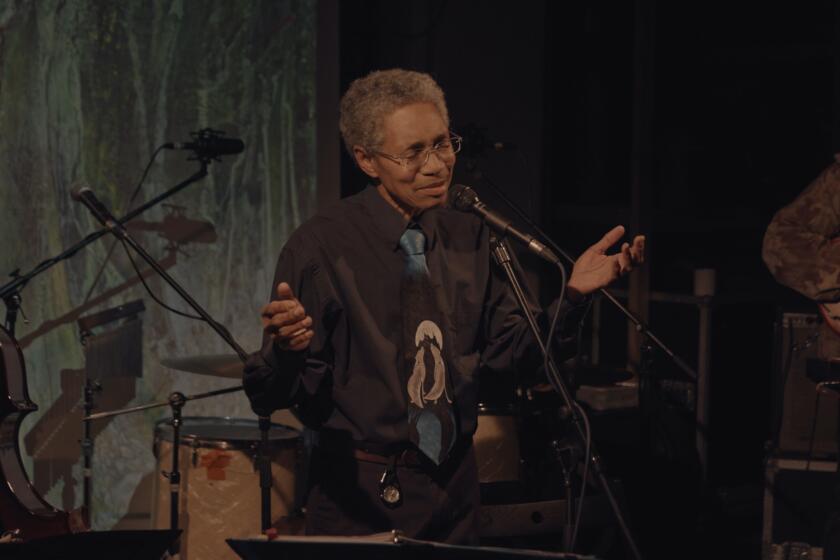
(413, 242)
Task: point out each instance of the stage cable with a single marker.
(151, 293)
(127, 207)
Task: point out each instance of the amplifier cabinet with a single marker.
(808, 423)
(798, 497)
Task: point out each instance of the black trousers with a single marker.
(438, 503)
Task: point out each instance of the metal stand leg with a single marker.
(176, 402)
(502, 258)
(265, 473)
(567, 472)
(91, 388)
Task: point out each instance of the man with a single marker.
(386, 306)
(802, 252)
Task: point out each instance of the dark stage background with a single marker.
(689, 122)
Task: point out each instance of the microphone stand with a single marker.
(502, 258)
(116, 227)
(10, 292)
(640, 326)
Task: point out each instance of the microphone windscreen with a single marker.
(462, 198)
(224, 146)
(77, 190)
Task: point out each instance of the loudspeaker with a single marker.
(808, 420)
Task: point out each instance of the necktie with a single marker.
(432, 426)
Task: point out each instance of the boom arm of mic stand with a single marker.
(640, 326)
(121, 232)
(643, 329)
(264, 421)
(11, 288)
(502, 257)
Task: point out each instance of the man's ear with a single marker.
(365, 161)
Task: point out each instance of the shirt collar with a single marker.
(391, 224)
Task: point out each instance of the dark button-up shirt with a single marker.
(345, 266)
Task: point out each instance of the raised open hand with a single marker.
(596, 269)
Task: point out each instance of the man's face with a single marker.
(408, 130)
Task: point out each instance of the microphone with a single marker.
(207, 143)
(465, 199)
(87, 197)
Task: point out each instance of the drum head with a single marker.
(223, 433)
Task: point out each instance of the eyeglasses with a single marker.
(415, 159)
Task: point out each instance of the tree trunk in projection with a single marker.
(88, 90)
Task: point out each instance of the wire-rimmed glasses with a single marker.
(415, 159)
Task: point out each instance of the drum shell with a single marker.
(496, 442)
(220, 487)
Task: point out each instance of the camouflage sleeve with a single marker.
(798, 245)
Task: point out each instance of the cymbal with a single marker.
(216, 365)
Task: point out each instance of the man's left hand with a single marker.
(596, 269)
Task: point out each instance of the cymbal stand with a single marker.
(91, 388)
(502, 258)
(115, 226)
(176, 402)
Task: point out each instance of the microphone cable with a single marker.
(127, 206)
(555, 383)
(137, 270)
(149, 290)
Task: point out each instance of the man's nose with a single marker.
(434, 163)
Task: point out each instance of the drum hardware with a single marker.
(216, 365)
(26, 508)
(230, 366)
(91, 387)
(101, 213)
(218, 477)
(176, 402)
(106, 356)
(498, 453)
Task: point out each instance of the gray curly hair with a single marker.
(370, 99)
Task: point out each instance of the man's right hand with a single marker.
(286, 321)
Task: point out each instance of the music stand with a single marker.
(125, 545)
(385, 546)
